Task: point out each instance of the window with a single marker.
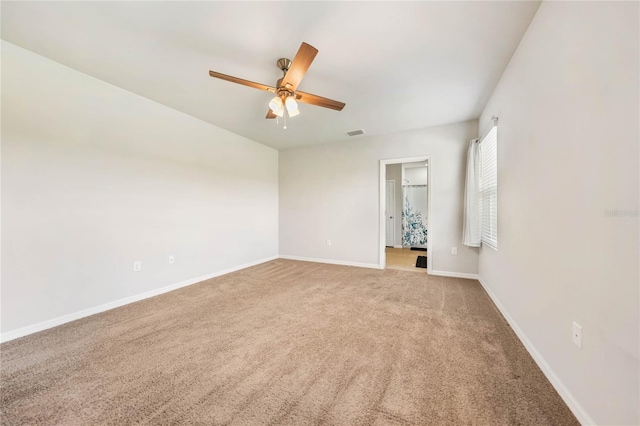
(489, 189)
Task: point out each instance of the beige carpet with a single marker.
(285, 342)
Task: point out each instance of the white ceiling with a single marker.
(397, 65)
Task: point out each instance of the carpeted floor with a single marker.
(285, 342)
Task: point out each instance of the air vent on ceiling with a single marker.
(356, 132)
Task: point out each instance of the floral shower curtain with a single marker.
(414, 216)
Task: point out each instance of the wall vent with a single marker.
(356, 132)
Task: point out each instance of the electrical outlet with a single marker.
(328, 242)
(137, 266)
(577, 334)
(454, 250)
(171, 259)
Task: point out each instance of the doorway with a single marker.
(405, 214)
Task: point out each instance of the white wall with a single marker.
(567, 151)
(95, 177)
(394, 171)
(331, 192)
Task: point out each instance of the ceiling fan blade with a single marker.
(308, 98)
(241, 81)
(299, 66)
(270, 114)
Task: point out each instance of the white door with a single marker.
(389, 209)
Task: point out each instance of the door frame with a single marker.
(393, 212)
(382, 260)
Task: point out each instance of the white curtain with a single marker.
(471, 221)
(414, 216)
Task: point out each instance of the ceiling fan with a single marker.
(287, 96)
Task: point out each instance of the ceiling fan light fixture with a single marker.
(279, 113)
(291, 104)
(293, 112)
(275, 105)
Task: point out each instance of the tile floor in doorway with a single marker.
(404, 259)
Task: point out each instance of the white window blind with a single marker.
(489, 188)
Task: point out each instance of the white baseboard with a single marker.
(578, 410)
(455, 274)
(332, 262)
(30, 329)
(397, 246)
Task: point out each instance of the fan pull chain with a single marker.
(284, 117)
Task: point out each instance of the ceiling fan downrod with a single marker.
(284, 64)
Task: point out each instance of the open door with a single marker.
(390, 221)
